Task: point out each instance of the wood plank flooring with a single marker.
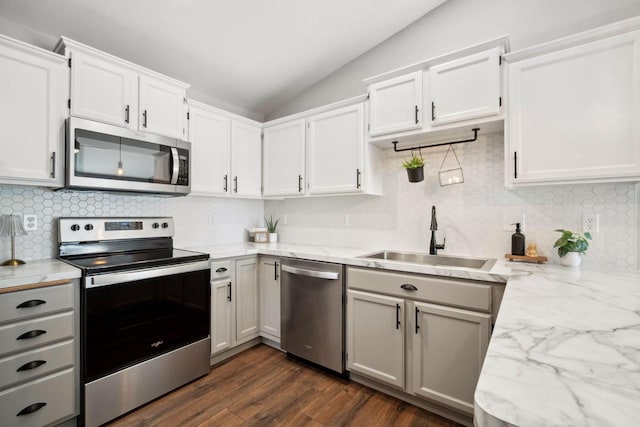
(261, 386)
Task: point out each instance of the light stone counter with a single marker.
(36, 273)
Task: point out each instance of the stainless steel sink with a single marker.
(484, 264)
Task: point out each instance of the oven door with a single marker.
(106, 157)
(129, 317)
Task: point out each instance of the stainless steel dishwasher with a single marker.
(313, 312)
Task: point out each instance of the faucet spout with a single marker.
(433, 245)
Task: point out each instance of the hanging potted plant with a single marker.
(415, 168)
(272, 227)
(570, 246)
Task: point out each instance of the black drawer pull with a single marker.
(408, 287)
(31, 334)
(31, 365)
(31, 408)
(221, 270)
(31, 303)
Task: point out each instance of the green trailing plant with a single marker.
(413, 163)
(572, 242)
(271, 224)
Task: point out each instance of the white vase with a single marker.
(273, 237)
(571, 259)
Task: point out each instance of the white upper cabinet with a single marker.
(573, 110)
(335, 151)
(395, 104)
(465, 88)
(283, 159)
(210, 136)
(33, 86)
(162, 108)
(104, 91)
(110, 90)
(246, 159)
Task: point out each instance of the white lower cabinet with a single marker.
(221, 315)
(449, 346)
(269, 276)
(247, 315)
(375, 336)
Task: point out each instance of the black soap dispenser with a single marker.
(517, 241)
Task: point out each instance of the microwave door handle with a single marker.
(176, 165)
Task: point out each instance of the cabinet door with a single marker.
(283, 159)
(465, 88)
(449, 346)
(395, 104)
(247, 320)
(104, 91)
(336, 151)
(573, 114)
(32, 85)
(246, 159)
(210, 136)
(221, 315)
(375, 336)
(162, 108)
(270, 297)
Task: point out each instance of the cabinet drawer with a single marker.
(41, 402)
(35, 363)
(441, 290)
(36, 332)
(220, 270)
(33, 302)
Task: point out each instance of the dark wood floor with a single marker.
(261, 386)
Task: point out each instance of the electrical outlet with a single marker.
(284, 220)
(30, 222)
(590, 223)
(346, 219)
(212, 219)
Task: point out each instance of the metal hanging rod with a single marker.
(475, 137)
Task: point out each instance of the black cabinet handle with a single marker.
(229, 292)
(53, 165)
(144, 117)
(31, 365)
(275, 271)
(126, 114)
(433, 111)
(299, 183)
(31, 334)
(417, 326)
(515, 164)
(226, 179)
(235, 184)
(31, 303)
(31, 408)
(397, 316)
(408, 287)
(358, 178)
(221, 270)
(417, 121)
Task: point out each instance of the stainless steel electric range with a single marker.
(145, 310)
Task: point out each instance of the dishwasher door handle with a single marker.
(311, 273)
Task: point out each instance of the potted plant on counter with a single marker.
(415, 168)
(570, 246)
(272, 227)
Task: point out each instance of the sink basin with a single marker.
(483, 264)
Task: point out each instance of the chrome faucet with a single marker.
(433, 246)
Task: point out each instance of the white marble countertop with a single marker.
(345, 255)
(565, 351)
(36, 272)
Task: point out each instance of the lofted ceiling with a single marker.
(255, 54)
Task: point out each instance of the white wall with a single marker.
(198, 220)
(472, 216)
(460, 23)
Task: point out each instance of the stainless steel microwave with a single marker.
(105, 157)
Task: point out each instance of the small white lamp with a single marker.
(11, 225)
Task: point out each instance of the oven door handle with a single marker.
(176, 165)
(131, 276)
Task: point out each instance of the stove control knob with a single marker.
(88, 227)
(75, 227)
(155, 225)
(165, 225)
